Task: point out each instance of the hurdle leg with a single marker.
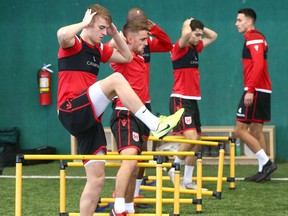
(159, 187)
(18, 189)
(220, 171)
(63, 189)
(176, 189)
(232, 164)
(199, 184)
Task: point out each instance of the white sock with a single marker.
(262, 158)
(188, 173)
(137, 187)
(172, 170)
(147, 118)
(178, 160)
(129, 207)
(119, 205)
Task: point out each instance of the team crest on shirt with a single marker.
(188, 120)
(135, 136)
(256, 47)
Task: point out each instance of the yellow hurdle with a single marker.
(207, 140)
(19, 168)
(158, 189)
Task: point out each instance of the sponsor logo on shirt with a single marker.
(93, 63)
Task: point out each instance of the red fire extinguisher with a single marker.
(44, 79)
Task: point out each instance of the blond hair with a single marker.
(101, 11)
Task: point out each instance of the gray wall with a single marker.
(29, 40)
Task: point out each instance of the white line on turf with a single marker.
(107, 177)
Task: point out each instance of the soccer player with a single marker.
(254, 106)
(186, 90)
(157, 41)
(82, 99)
(126, 128)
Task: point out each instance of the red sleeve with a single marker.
(256, 47)
(71, 50)
(200, 46)
(160, 42)
(106, 52)
(178, 52)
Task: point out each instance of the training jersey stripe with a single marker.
(254, 42)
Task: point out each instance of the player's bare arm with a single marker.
(66, 34)
(186, 32)
(122, 54)
(209, 36)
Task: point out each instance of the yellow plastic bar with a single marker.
(205, 179)
(232, 164)
(177, 192)
(159, 173)
(162, 153)
(115, 164)
(152, 200)
(87, 157)
(220, 171)
(169, 153)
(62, 191)
(18, 190)
(179, 140)
(215, 138)
(171, 190)
(211, 138)
(199, 185)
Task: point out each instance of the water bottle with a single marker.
(238, 150)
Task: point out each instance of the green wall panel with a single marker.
(29, 40)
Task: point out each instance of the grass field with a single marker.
(41, 196)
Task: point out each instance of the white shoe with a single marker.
(171, 174)
(190, 185)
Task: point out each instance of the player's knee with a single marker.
(118, 76)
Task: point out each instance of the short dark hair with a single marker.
(134, 26)
(196, 24)
(249, 12)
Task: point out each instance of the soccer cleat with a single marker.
(191, 186)
(267, 169)
(166, 124)
(256, 176)
(113, 213)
